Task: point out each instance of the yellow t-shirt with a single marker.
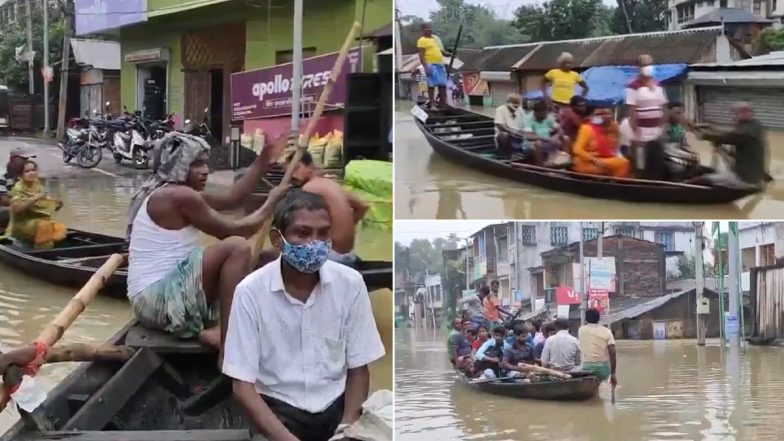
(594, 339)
(562, 84)
(433, 53)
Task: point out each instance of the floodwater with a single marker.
(427, 186)
(98, 202)
(667, 390)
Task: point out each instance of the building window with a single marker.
(283, 57)
(685, 12)
(665, 238)
(758, 8)
(768, 255)
(503, 251)
(559, 236)
(722, 3)
(624, 231)
(528, 234)
(590, 233)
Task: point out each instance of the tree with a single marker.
(563, 20)
(773, 39)
(13, 73)
(643, 16)
(686, 268)
(421, 257)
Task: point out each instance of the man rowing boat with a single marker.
(345, 209)
(173, 282)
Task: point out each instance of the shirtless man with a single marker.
(173, 282)
(345, 209)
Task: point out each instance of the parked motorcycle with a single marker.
(202, 130)
(82, 141)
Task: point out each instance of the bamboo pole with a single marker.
(257, 241)
(55, 330)
(534, 369)
(67, 353)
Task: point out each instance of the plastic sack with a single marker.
(374, 177)
(375, 423)
(29, 395)
(333, 154)
(316, 147)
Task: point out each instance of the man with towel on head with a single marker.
(173, 282)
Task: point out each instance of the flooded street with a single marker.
(97, 201)
(667, 390)
(428, 186)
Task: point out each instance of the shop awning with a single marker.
(97, 53)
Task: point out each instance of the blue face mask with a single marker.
(308, 257)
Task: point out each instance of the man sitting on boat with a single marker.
(561, 351)
(174, 283)
(749, 142)
(345, 209)
(301, 332)
(596, 147)
(542, 130)
(489, 355)
(520, 351)
(597, 347)
(548, 330)
(681, 162)
(458, 346)
(13, 171)
(31, 224)
(509, 136)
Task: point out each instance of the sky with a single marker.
(504, 8)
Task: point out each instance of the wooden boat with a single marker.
(76, 259)
(170, 390)
(467, 138)
(582, 387)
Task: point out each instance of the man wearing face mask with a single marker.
(301, 332)
(647, 103)
(508, 136)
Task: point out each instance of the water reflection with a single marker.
(428, 186)
(668, 390)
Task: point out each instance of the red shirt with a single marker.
(570, 122)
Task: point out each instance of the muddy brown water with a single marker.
(427, 186)
(99, 204)
(668, 390)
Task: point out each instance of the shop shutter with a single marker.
(716, 104)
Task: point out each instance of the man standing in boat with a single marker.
(562, 82)
(13, 172)
(173, 282)
(301, 333)
(345, 209)
(647, 103)
(431, 55)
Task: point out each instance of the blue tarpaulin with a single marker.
(607, 84)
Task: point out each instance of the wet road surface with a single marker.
(427, 186)
(96, 200)
(667, 390)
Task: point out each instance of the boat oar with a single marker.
(66, 353)
(54, 331)
(257, 241)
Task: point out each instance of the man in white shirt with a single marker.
(301, 332)
(508, 135)
(647, 103)
(562, 350)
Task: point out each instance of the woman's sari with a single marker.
(34, 227)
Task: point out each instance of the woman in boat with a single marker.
(596, 147)
(32, 210)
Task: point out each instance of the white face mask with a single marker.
(647, 71)
(597, 120)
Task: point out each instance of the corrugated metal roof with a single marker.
(545, 57)
(97, 53)
(727, 16)
(771, 59)
(502, 59)
(687, 47)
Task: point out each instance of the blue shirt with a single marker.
(511, 338)
(480, 353)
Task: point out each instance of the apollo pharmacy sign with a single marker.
(266, 93)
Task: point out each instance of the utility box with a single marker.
(703, 306)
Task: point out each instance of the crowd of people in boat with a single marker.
(483, 347)
(26, 209)
(305, 291)
(563, 130)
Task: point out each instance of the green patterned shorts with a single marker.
(177, 304)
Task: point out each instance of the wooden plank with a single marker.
(163, 343)
(113, 395)
(217, 391)
(143, 435)
(461, 124)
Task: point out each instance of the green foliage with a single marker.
(14, 73)
(420, 258)
(644, 16)
(686, 267)
(773, 39)
(563, 20)
(481, 27)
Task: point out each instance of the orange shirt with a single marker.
(585, 146)
(491, 311)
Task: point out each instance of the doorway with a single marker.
(151, 90)
(216, 103)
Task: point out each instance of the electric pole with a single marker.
(45, 70)
(68, 16)
(30, 57)
(700, 282)
(735, 289)
(583, 294)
